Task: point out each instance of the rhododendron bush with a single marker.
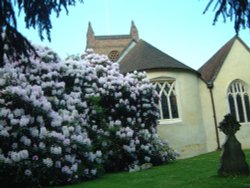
(67, 121)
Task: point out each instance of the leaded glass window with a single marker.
(238, 101)
(114, 55)
(168, 100)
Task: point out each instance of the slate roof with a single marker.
(144, 56)
(211, 68)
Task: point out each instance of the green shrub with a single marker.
(63, 122)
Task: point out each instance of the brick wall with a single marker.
(106, 44)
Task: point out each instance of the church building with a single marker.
(193, 102)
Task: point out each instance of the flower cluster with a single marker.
(66, 121)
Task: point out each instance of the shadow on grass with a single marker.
(196, 172)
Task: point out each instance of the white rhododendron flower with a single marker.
(73, 118)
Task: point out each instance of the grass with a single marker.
(196, 172)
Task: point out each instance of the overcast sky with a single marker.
(176, 27)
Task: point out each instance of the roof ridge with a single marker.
(144, 56)
(211, 68)
(167, 55)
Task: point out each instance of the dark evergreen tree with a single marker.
(235, 10)
(37, 15)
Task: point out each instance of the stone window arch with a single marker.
(238, 101)
(168, 98)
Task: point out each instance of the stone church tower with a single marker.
(111, 45)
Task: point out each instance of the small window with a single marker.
(238, 101)
(168, 101)
(114, 55)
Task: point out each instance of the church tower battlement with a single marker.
(111, 45)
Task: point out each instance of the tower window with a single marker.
(113, 55)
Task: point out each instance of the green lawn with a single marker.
(196, 172)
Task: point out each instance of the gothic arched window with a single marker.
(168, 100)
(238, 100)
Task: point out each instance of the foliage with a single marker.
(63, 122)
(229, 125)
(37, 15)
(237, 10)
(42, 141)
(124, 114)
